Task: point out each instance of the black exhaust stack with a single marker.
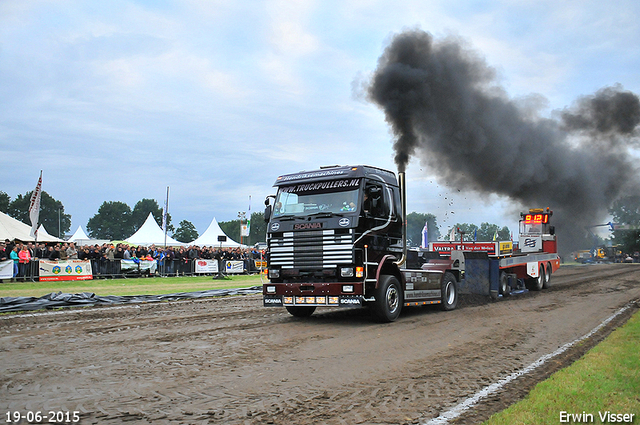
(403, 202)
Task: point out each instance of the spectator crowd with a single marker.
(170, 260)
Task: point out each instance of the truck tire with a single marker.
(547, 276)
(537, 283)
(305, 311)
(505, 289)
(449, 292)
(389, 299)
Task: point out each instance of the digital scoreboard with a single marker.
(536, 216)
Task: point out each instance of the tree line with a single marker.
(116, 221)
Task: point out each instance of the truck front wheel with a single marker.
(388, 302)
(449, 292)
(301, 311)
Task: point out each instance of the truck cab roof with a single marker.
(333, 172)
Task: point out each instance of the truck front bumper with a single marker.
(313, 300)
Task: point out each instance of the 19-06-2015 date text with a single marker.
(48, 417)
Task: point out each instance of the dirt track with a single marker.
(229, 360)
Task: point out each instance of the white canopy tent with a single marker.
(210, 237)
(80, 238)
(11, 229)
(151, 234)
(44, 236)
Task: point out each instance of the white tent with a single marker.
(210, 237)
(151, 234)
(80, 238)
(11, 229)
(44, 236)
(79, 235)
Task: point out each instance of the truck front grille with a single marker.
(315, 249)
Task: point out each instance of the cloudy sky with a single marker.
(117, 100)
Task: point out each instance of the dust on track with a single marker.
(230, 360)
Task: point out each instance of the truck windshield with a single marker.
(338, 196)
(530, 228)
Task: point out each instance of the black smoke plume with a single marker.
(445, 106)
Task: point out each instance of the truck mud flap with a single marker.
(481, 275)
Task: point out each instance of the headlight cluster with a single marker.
(348, 272)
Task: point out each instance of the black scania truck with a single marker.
(336, 237)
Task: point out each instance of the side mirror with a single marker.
(267, 213)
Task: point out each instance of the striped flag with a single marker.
(34, 207)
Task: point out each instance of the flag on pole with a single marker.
(495, 235)
(425, 236)
(475, 235)
(165, 209)
(34, 207)
(452, 235)
(249, 218)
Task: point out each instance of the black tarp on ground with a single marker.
(55, 300)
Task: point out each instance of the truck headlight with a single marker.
(347, 288)
(271, 289)
(346, 272)
(274, 273)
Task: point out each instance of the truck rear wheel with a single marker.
(505, 289)
(389, 301)
(305, 311)
(537, 283)
(449, 292)
(547, 276)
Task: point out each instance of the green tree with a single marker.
(141, 211)
(52, 215)
(113, 221)
(468, 229)
(186, 232)
(626, 211)
(232, 229)
(258, 231)
(5, 200)
(487, 231)
(415, 224)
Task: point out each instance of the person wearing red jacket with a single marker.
(24, 257)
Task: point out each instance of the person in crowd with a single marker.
(32, 249)
(24, 257)
(170, 257)
(42, 251)
(72, 252)
(110, 252)
(4, 255)
(54, 253)
(16, 258)
(63, 252)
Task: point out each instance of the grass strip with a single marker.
(129, 286)
(605, 381)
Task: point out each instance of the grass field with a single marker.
(606, 379)
(135, 286)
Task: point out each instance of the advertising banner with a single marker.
(128, 266)
(206, 266)
(65, 270)
(445, 248)
(234, 267)
(6, 269)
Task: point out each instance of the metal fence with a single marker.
(122, 269)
